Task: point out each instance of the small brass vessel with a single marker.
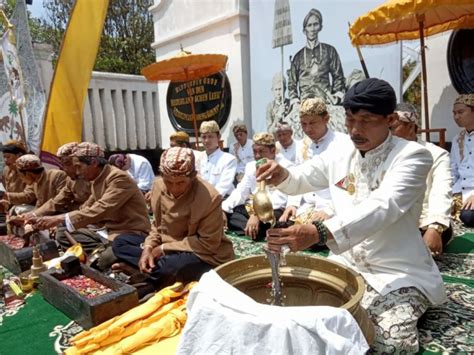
(262, 205)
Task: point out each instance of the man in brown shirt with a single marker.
(11, 180)
(115, 203)
(75, 192)
(187, 236)
(12, 150)
(45, 183)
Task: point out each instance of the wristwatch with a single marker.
(437, 227)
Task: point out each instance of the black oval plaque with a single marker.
(212, 99)
(460, 56)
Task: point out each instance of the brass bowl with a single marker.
(306, 281)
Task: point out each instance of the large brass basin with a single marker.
(306, 281)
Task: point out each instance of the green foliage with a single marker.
(125, 45)
(413, 94)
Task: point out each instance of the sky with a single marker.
(37, 8)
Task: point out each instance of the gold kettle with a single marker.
(262, 205)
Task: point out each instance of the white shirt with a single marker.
(375, 229)
(289, 153)
(438, 195)
(243, 154)
(308, 149)
(141, 171)
(317, 200)
(462, 164)
(218, 169)
(248, 186)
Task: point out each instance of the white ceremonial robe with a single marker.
(243, 154)
(218, 169)
(289, 153)
(438, 195)
(307, 149)
(248, 186)
(141, 171)
(462, 164)
(375, 229)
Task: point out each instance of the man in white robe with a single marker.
(314, 119)
(377, 188)
(462, 158)
(435, 216)
(242, 149)
(216, 167)
(238, 211)
(286, 146)
(138, 167)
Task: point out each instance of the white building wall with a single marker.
(206, 26)
(441, 92)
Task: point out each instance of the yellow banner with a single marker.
(63, 115)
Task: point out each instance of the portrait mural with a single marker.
(304, 51)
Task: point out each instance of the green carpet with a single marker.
(29, 330)
(37, 327)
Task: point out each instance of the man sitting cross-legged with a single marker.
(187, 236)
(239, 213)
(435, 214)
(377, 188)
(115, 204)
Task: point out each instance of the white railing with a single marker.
(121, 112)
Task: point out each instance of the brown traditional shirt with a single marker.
(48, 185)
(70, 198)
(193, 222)
(115, 202)
(12, 180)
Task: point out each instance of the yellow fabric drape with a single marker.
(63, 114)
(166, 346)
(138, 328)
(167, 326)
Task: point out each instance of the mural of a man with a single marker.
(277, 109)
(316, 70)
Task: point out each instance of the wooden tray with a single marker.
(88, 312)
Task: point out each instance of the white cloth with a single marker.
(248, 186)
(463, 169)
(438, 195)
(69, 226)
(289, 153)
(218, 169)
(223, 320)
(307, 149)
(243, 154)
(375, 230)
(141, 171)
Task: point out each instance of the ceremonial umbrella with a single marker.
(396, 20)
(186, 66)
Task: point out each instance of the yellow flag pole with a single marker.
(77, 56)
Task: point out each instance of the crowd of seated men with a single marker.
(102, 204)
